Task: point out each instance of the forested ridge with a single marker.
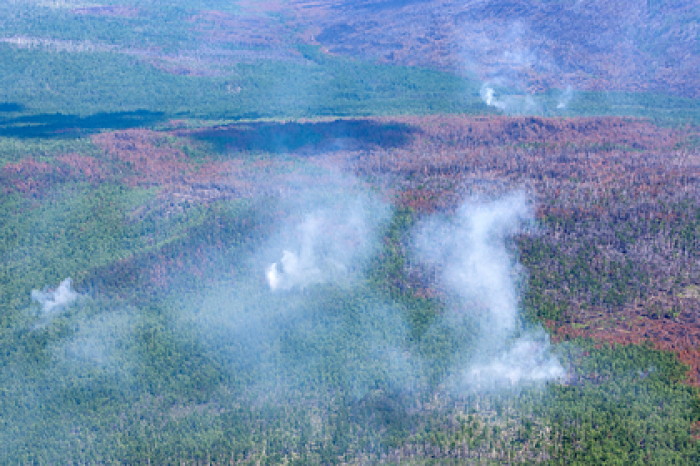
(293, 233)
(609, 270)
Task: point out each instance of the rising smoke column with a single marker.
(56, 300)
(565, 98)
(305, 309)
(512, 70)
(488, 95)
(482, 276)
(327, 245)
(510, 104)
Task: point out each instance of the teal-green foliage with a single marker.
(593, 279)
(105, 85)
(615, 284)
(661, 108)
(42, 150)
(86, 83)
(163, 26)
(218, 368)
(204, 363)
(106, 380)
(94, 66)
(71, 231)
(388, 272)
(89, 83)
(622, 406)
(628, 408)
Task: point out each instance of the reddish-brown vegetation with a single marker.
(86, 167)
(219, 26)
(25, 176)
(595, 45)
(588, 45)
(548, 158)
(149, 158)
(493, 131)
(32, 177)
(147, 163)
(680, 335)
(616, 196)
(593, 179)
(552, 158)
(619, 198)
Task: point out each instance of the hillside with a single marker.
(167, 234)
(523, 47)
(533, 46)
(369, 232)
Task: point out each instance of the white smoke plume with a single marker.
(565, 98)
(510, 104)
(325, 246)
(529, 359)
(471, 251)
(488, 95)
(479, 271)
(57, 300)
(510, 69)
(292, 271)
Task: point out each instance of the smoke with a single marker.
(57, 300)
(100, 343)
(85, 367)
(522, 104)
(327, 245)
(304, 315)
(97, 335)
(513, 74)
(512, 104)
(323, 333)
(300, 307)
(471, 251)
(528, 359)
(565, 98)
(488, 95)
(474, 257)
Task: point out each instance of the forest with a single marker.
(162, 230)
(222, 242)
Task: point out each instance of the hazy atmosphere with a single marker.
(350, 232)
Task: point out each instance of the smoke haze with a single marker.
(53, 301)
(509, 86)
(565, 98)
(528, 359)
(326, 245)
(306, 308)
(475, 260)
(304, 321)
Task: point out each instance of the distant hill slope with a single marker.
(587, 44)
(302, 58)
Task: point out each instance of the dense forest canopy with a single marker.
(349, 232)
